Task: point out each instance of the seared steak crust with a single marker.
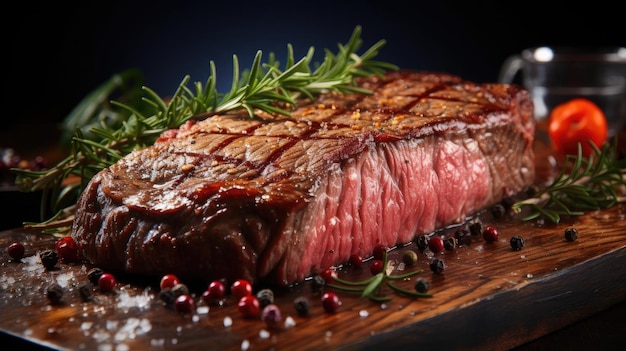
(278, 199)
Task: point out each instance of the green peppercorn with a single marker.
(409, 257)
(571, 234)
(422, 285)
(517, 242)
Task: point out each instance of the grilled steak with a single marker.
(276, 199)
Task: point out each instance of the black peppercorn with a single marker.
(507, 203)
(317, 284)
(49, 258)
(54, 293)
(462, 236)
(302, 305)
(476, 227)
(422, 285)
(422, 242)
(450, 243)
(571, 234)
(85, 292)
(517, 242)
(498, 211)
(167, 295)
(437, 265)
(265, 297)
(94, 275)
(180, 289)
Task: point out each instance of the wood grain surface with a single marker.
(488, 297)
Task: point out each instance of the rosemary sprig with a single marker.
(583, 184)
(372, 288)
(115, 128)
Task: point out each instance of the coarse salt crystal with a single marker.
(264, 334)
(245, 345)
(228, 322)
(363, 313)
(289, 322)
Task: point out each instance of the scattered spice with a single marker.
(330, 302)
(85, 292)
(265, 297)
(422, 285)
(475, 227)
(517, 242)
(16, 251)
(490, 234)
(49, 259)
(54, 293)
(422, 242)
(271, 315)
(571, 234)
(437, 265)
(450, 244)
(435, 244)
(409, 257)
(498, 211)
(463, 236)
(180, 289)
(302, 306)
(94, 275)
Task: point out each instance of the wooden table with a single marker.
(488, 297)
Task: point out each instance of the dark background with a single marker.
(55, 54)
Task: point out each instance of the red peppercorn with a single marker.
(185, 304)
(330, 302)
(436, 244)
(376, 266)
(168, 281)
(490, 234)
(16, 251)
(215, 292)
(356, 260)
(271, 315)
(379, 251)
(66, 249)
(241, 288)
(249, 306)
(106, 282)
(329, 275)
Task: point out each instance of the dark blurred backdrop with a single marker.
(54, 54)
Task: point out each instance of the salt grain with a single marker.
(228, 322)
(363, 313)
(202, 310)
(289, 322)
(264, 334)
(245, 345)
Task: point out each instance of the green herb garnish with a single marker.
(583, 184)
(372, 288)
(119, 127)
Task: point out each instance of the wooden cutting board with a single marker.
(488, 297)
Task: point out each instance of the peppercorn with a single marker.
(571, 234)
(54, 293)
(422, 285)
(271, 315)
(463, 236)
(437, 265)
(94, 275)
(507, 203)
(476, 227)
(450, 243)
(317, 284)
(302, 305)
(180, 289)
(409, 257)
(422, 242)
(49, 258)
(265, 297)
(16, 251)
(517, 242)
(85, 292)
(167, 295)
(498, 211)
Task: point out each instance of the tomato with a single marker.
(577, 121)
